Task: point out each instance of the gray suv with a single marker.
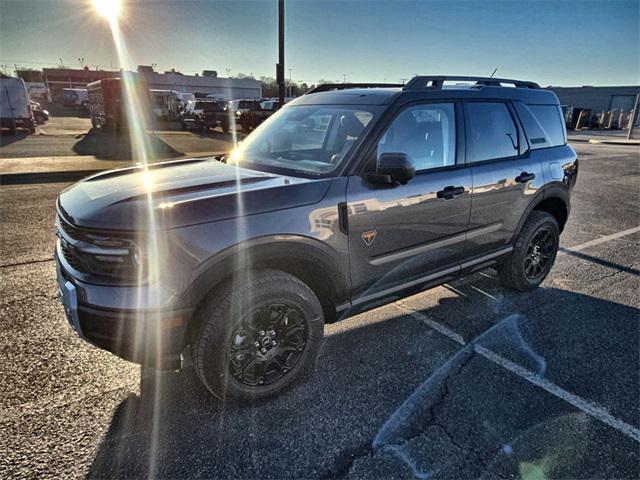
(348, 197)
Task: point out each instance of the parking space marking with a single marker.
(598, 241)
(591, 409)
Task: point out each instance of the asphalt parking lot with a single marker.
(71, 135)
(467, 380)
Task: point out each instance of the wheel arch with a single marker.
(307, 259)
(553, 200)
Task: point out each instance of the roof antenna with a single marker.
(493, 73)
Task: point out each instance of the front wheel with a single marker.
(257, 336)
(533, 255)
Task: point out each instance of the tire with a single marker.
(225, 127)
(528, 266)
(257, 336)
(245, 126)
(183, 125)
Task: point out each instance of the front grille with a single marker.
(72, 257)
(73, 232)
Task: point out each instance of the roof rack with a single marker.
(325, 87)
(422, 82)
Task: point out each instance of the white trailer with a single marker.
(15, 110)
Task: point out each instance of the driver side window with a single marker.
(426, 133)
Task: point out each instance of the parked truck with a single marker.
(108, 103)
(15, 110)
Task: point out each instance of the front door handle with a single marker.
(449, 192)
(525, 177)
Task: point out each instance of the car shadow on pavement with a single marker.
(393, 397)
(7, 137)
(117, 146)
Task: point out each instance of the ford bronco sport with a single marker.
(349, 196)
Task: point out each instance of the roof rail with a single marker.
(421, 82)
(325, 87)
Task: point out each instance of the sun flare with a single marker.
(110, 9)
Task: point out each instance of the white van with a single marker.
(15, 111)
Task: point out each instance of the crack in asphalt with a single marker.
(20, 264)
(480, 459)
(345, 460)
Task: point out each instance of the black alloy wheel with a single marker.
(267, 344)
(540, 252)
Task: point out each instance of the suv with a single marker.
(346, 198)
(202, 115)
(246, 113)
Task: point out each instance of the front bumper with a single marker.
(149, 337)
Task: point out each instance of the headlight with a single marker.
(103, 256)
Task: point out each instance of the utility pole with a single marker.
(280, 65)
(228, 70)
(290, 85)
(81, 61)
(633, 117)
(344, 78)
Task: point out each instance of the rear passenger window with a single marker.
(491, 132)
(426, 133)
(550, 119)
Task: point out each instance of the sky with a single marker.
(565, 43)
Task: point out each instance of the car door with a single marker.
(505, 176)
(399, 234)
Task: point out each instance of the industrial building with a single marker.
(56, 79)
(208, 83)
(51, 82)
(598, 99)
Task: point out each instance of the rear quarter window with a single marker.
(543, 124)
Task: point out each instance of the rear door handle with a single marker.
(525, 177)
(449, 192)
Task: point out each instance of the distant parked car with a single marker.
(202, 114)
(15, 110)
(75, 98)
(246, 113)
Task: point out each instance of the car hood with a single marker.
(181, 193)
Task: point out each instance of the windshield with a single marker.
(307, 139)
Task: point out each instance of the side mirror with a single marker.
(393, 168)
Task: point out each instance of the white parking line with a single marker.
(598, 241)
(591, 409)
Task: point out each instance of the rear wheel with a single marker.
(258, 336)
(534, 253)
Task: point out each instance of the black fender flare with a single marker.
(555, 190)
(285, 252)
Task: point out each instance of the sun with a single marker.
(110, 9)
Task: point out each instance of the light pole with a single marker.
(228, 70)
(81, 61)
(290, 85)
(280, 65)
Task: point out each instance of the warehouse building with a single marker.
(207, 84)
(57, 79)
(598, 99)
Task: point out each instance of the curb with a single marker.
(21, 178)
(604, 141)
(614, 142)
(45, 177)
